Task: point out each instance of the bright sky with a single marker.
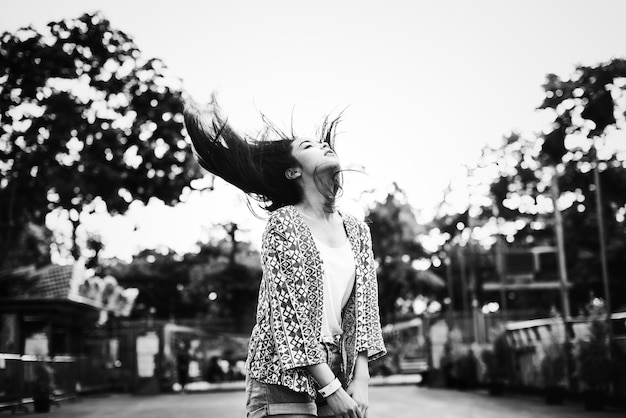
(426, 84)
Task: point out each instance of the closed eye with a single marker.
(305, 144)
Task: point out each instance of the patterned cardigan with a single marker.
(288, 329)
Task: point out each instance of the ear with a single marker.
(292, 173)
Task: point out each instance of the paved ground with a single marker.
(386, 401)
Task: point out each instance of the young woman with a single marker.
(317, 321)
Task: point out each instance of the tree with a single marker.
(395, 241)
(218, 285)
(225, 285)
(586, 107)
(513, 196)
(84, 118)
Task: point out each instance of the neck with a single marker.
(315, 207)
(313, 202)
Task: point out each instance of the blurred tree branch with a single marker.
(513, 179)
(396, 246)
(84, 118)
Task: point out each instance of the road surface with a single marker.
(385, 401)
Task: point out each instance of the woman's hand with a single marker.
(343, 405)
(358, 390)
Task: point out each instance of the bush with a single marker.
(594, 367)
(553, 371)
(593, 361)
(553, 364)
(43, 386)
(495, 361)
(459, 364)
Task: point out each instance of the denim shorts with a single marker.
(263, 399)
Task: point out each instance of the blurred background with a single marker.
(484, 144)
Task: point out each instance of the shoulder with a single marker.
(353, 222)
(280, 220)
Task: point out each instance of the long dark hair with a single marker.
(255, 165)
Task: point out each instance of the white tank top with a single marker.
(339, 275)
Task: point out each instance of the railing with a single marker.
(71, 376)
(529, 340)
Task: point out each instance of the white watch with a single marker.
(330, 388)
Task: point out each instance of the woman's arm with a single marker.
(288, 306)
(340, 402)
(361, 368)
(322, 374)
(358, 388)
(375, 345)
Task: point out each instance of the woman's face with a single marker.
(312, 155)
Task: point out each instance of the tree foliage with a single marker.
(589, 106)
(234, 284)
(218, 285)
(395, 241)
(84, 117)
(516, 178)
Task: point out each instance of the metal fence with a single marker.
(530, 341)
(535, 354)
(71, 376)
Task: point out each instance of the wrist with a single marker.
(330, 388)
